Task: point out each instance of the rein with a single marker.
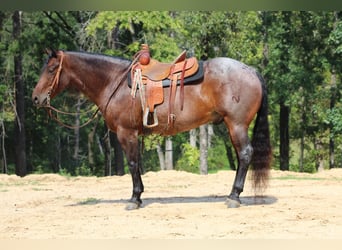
(135, 59)
(51, 108)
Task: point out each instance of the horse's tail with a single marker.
(262, 154)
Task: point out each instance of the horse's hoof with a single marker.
(133, 206)
(232, 203)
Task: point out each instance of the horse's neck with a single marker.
(99, 80)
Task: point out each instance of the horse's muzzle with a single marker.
(39, 101)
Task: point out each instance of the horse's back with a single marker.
(223, 67)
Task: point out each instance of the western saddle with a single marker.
(148, 75)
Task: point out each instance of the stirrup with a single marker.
(145, 118)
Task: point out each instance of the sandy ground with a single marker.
(176, 205)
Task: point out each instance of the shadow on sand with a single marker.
(245, 200)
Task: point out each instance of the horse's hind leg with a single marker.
(244, 152)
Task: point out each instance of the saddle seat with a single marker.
(158, 71)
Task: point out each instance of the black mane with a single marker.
(99, 56)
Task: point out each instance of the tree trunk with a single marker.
(77, 131)
(20, 136)
(118, 155)
(203, 137)
(3, 160)
(210, 134)
(230, 155)
(91, 144)
(318, 145)
(58, 155)
(331, 152)
(193, 137)
(332, 106)
(168, 154)
(284, 147)
(161, 157)
(302, 137)
(108, 155)
(301, 152)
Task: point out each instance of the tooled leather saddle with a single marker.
(150, 76)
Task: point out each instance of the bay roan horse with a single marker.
(230, 92)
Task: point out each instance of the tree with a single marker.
(278, 74)
(333, 54)
(203, 135)
(193, 137)
(20, 135)
(298, 53)
(168, 154)
(118, 155)
(3, 94)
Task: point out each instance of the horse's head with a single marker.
(49, 84)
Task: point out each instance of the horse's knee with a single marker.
(133, 166)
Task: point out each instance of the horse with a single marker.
(230, 92)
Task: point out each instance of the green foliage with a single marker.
(64, 172)
(84, 170)
(189, 161)
(134, 28)
(334, 117)
(150, 161)
(210, 34)
(296, 51)
(89, 201)
(335, 38)
(151, 141)
(217, 159)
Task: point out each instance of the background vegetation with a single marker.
(298, 53)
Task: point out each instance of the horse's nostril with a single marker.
(35, 100)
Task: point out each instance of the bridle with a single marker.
(55, 80)
(49, 108)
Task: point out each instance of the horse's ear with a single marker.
(50, 52)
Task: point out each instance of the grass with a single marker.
(305, 178)
(21, 183)
(292, 177)
(42, 189)
(89, 201)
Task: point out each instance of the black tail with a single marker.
(262, 154)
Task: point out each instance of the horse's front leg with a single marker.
(130, 144)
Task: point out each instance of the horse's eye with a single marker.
(52, 68)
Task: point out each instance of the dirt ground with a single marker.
(176, 205)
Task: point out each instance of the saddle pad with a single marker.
(188, 80)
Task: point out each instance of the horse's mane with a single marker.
(99, 56)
